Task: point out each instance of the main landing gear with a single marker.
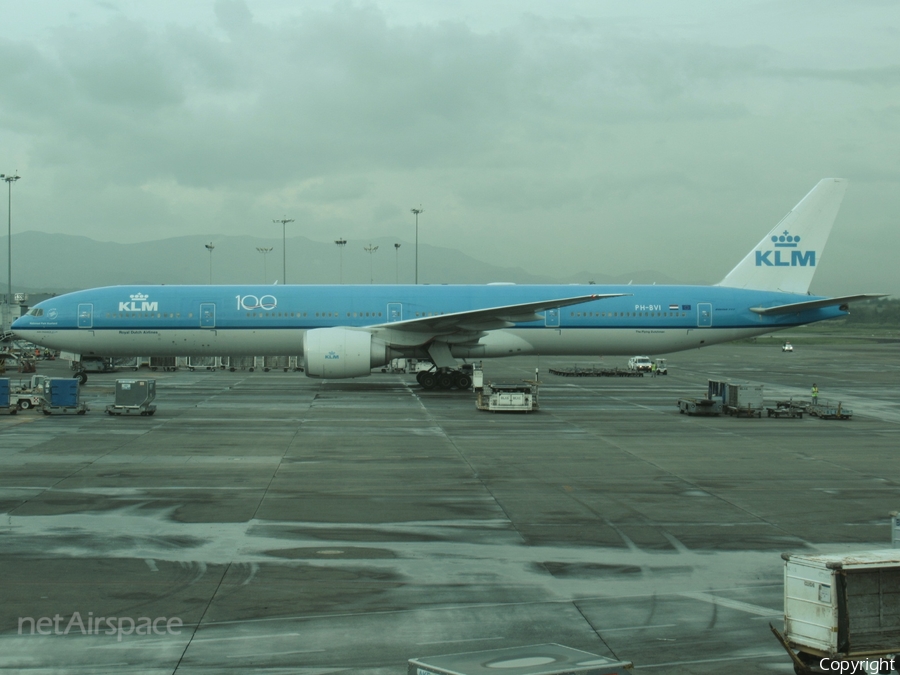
(444, 378)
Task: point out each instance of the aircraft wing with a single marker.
(474, 322)
(796, 307)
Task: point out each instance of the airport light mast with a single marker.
(341, 243)
(265, 251)
(284, 222)
(9, 181)
(370, 250)
(397, 261)
(210, 247)
(417, 212)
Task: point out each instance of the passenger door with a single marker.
(207, 315)
(551, 318)
(85, 315)
(704, 314)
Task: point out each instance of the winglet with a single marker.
(787, 258)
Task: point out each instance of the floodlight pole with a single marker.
(265, 252)
(417, 212)
(283, 221)
(371, 249)
(9, 181)
(341, 243)
(397, 261)
(210, 247)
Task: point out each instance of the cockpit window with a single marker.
(35, 311)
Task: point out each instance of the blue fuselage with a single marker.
(272, 320)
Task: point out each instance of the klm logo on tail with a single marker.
(779, 256)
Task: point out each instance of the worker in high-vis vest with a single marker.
(815, 394)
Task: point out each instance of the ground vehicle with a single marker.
(28, 395)
(640, 363)
(661, 367)
(787, 347)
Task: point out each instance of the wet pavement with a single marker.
(266, 522)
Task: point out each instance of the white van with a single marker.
(640, 363)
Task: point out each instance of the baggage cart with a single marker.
(166, 363)
(202, 363)
(134, 397)
(785, 409)
(827, 410)
(699, 406)
(127, 362)
(234, 363)
(276, 363)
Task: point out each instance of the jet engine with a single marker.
(340, 352)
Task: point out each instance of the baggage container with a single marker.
(6, 404)
(61, 397)
(61, 392)
(135, 392)
(737, 397)
(843, 606)
(134, 397)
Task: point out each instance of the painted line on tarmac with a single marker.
(732, 604)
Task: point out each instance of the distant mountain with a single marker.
(60, 263)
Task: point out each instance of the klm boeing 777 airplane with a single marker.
(345, 331)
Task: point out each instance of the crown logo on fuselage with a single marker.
(139, 304)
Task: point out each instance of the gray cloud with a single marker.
(525, 139)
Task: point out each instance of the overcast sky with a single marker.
(562, 136)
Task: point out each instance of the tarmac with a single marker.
(271, 523)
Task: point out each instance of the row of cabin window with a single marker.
(146, 315)
(605, 314)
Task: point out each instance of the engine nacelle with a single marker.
(340, 353)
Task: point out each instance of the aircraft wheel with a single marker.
(419, 376)
(445, 380)
(265, 370)
(24, 404)
(231, 369)
(428, 380)
(81, 376)
(463, 381)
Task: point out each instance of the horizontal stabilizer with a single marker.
(796, 307)
(787, 258)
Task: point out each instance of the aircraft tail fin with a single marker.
(787, 258)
